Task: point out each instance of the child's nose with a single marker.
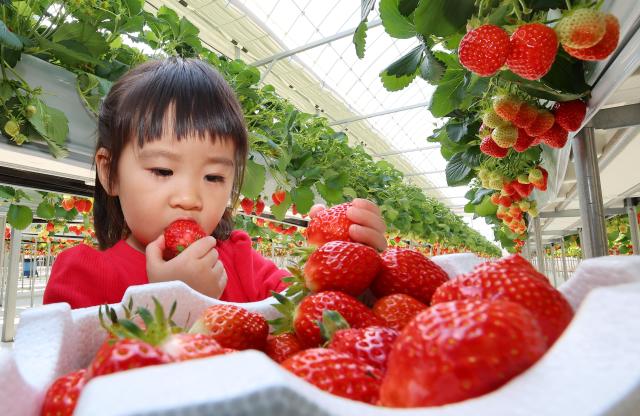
(186, 197)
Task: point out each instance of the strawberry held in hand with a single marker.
(454, 351)
(179, 235)
(330, 225)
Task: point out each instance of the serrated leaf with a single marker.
(303, 198)
(473, 157)
(49, 122)
(254, 179)
(8, 39)
(395, 24)
(407, 64)
(393, 83)
(19, 216)
(45, 210)
(457, 172)
(83, 33)
(431, 70)
(7, 192)
(360, 38)
(280, 210)
(407, 7)
(449, 93)
(330, 195)
(480, 194)
(442, 17)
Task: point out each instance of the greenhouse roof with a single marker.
(320, 73)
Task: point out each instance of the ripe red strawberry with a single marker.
(454, 351)
(495, 198)
(50, 226)
(523, 142)
(337, 373)
(581, 28)
(505, 136)
(278, 196)
(184, 346)
(492, 120)
(555, 137)
(294, 209)
(602, 49)
(570, 114)
(533, 50)
(330, 225)
(484, 50)
(509, 279)
(62, 396)
(543, 122)
(526, 116)
(397, 239)
(505, 200)
(68, 203)
(125, 354)
(341, 265)
(370, 345)
(282, 346)
(397, 310)
(80, 205)
(410, 272)
(522, 189)
(490, 148)
(507, 106)
(233, 327)
(304, 318)
(247, 205)
(259, 206)
(179, 235)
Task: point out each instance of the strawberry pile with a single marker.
(450, 337)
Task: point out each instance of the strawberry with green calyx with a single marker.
(397, 310)
(540, 183)
(505, 136)
(533, 50)
(507, 106)
(247, 205)
(484, 50)
(329, 225)
(341, 265)
(602, 49)
(543, 122)
(581, 28)
(535, 174)
(303, 316)
(233, 327)
(556, 137)
(492, 120)
(523, 190)
(459, 350)
(62, 395)
(370, 345)
(513, 279)
(282, 346)
(569, 115)
(410, 272)
(125, 354)
(337, 373)
(523, 178)
(179, 235)
(490, 148)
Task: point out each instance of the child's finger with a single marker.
(315, 210)
(367, 236)
(154, 249)
(366, 218)
(366, 204)
(202, 247)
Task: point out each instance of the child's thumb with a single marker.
(155, 248)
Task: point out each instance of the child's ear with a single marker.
(103, 160)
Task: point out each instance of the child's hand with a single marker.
(198, 266)
(369, 226)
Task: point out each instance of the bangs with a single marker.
(187, 96)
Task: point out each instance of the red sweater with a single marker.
(83, 276)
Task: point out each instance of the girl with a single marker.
(172, 144)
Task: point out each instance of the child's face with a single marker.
(167, 180)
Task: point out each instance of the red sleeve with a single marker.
(269, 274)
(73, 280)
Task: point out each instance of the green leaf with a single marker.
(134, 6)
(407, 64)
(82, 33)
(303, 198)
(442, 17)
(254, 179)
(45, 210)
(279, 211)
(8, 39)
(395, 24)
(50, 122)
(19, 216)
(66, 54)
(350, 192)
(480, 195)
(393, 83)
(360, 38)
(7, 192)
(330, 195)
(407, 7)
(450, 92)
(469, 208)
(431, 70)
(473, 157)
(567, 75)
(457, 171)
(456, 131)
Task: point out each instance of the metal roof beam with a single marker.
(572, 213)
(379, 113)
(315, 44)
(616, 117)
(399, 152)
(429, 172)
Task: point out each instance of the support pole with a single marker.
(564, 260)
(630, 206)
(585, 160)
(582, 244)
(10, 295)
(552, 249)
(538, 239)
(3, 224)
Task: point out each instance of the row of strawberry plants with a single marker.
(510, 80)
(300, 151)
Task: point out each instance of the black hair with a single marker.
(201, 103)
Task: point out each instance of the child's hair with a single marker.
(201, 104)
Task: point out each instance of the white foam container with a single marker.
(593, 369)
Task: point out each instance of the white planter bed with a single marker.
(594, 368)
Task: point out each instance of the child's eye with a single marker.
(214, 178)
(161, 172)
